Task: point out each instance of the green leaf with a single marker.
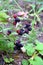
(1, 36)
(29, 49)
(32, 36)
(24, 62)
(40, 9)
(36, 61)
(39, 46)
(3, 45)
(3, 17)
(10, 46)
(12, 37)
(14, 33)
(8, 60)
(11, 60)
(0, 28)
(41, 52)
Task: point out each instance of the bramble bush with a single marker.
(33, 48)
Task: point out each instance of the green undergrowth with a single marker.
(33, 47)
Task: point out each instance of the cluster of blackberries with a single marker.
(28, 27)
(26, 30)
(18, 45)
(16, 19)
(20, 32)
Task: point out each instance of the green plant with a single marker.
(8, 60)
(24, 62)
(9, 5)
(33, 51)
(33, 47)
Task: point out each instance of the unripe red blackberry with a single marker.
(15, 16)
(14, 23)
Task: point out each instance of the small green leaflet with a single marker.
(10, 46)
(8, 60)
(24, 62)
(3, 17)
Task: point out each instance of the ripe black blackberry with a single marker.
(29, 28)
(26, 31)
(8, 32)
(18, 45)
(27, 25)
(20, 32)
(17, 20)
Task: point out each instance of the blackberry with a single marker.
(29, 28)
(27, 25)
(20, 32)
(14, 23)
(18, 46)
(15, 16)
(26, 31)
(8, 32)
(17, 20)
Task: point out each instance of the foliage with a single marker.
(24, 62)
(9, 5)
(8, 60)
(33, 51)
(33, 47)
(29, 49)
(3, 17)
(36, 61)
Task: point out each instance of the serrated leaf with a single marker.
(29, 49)
(30, 52)
(36, 61)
